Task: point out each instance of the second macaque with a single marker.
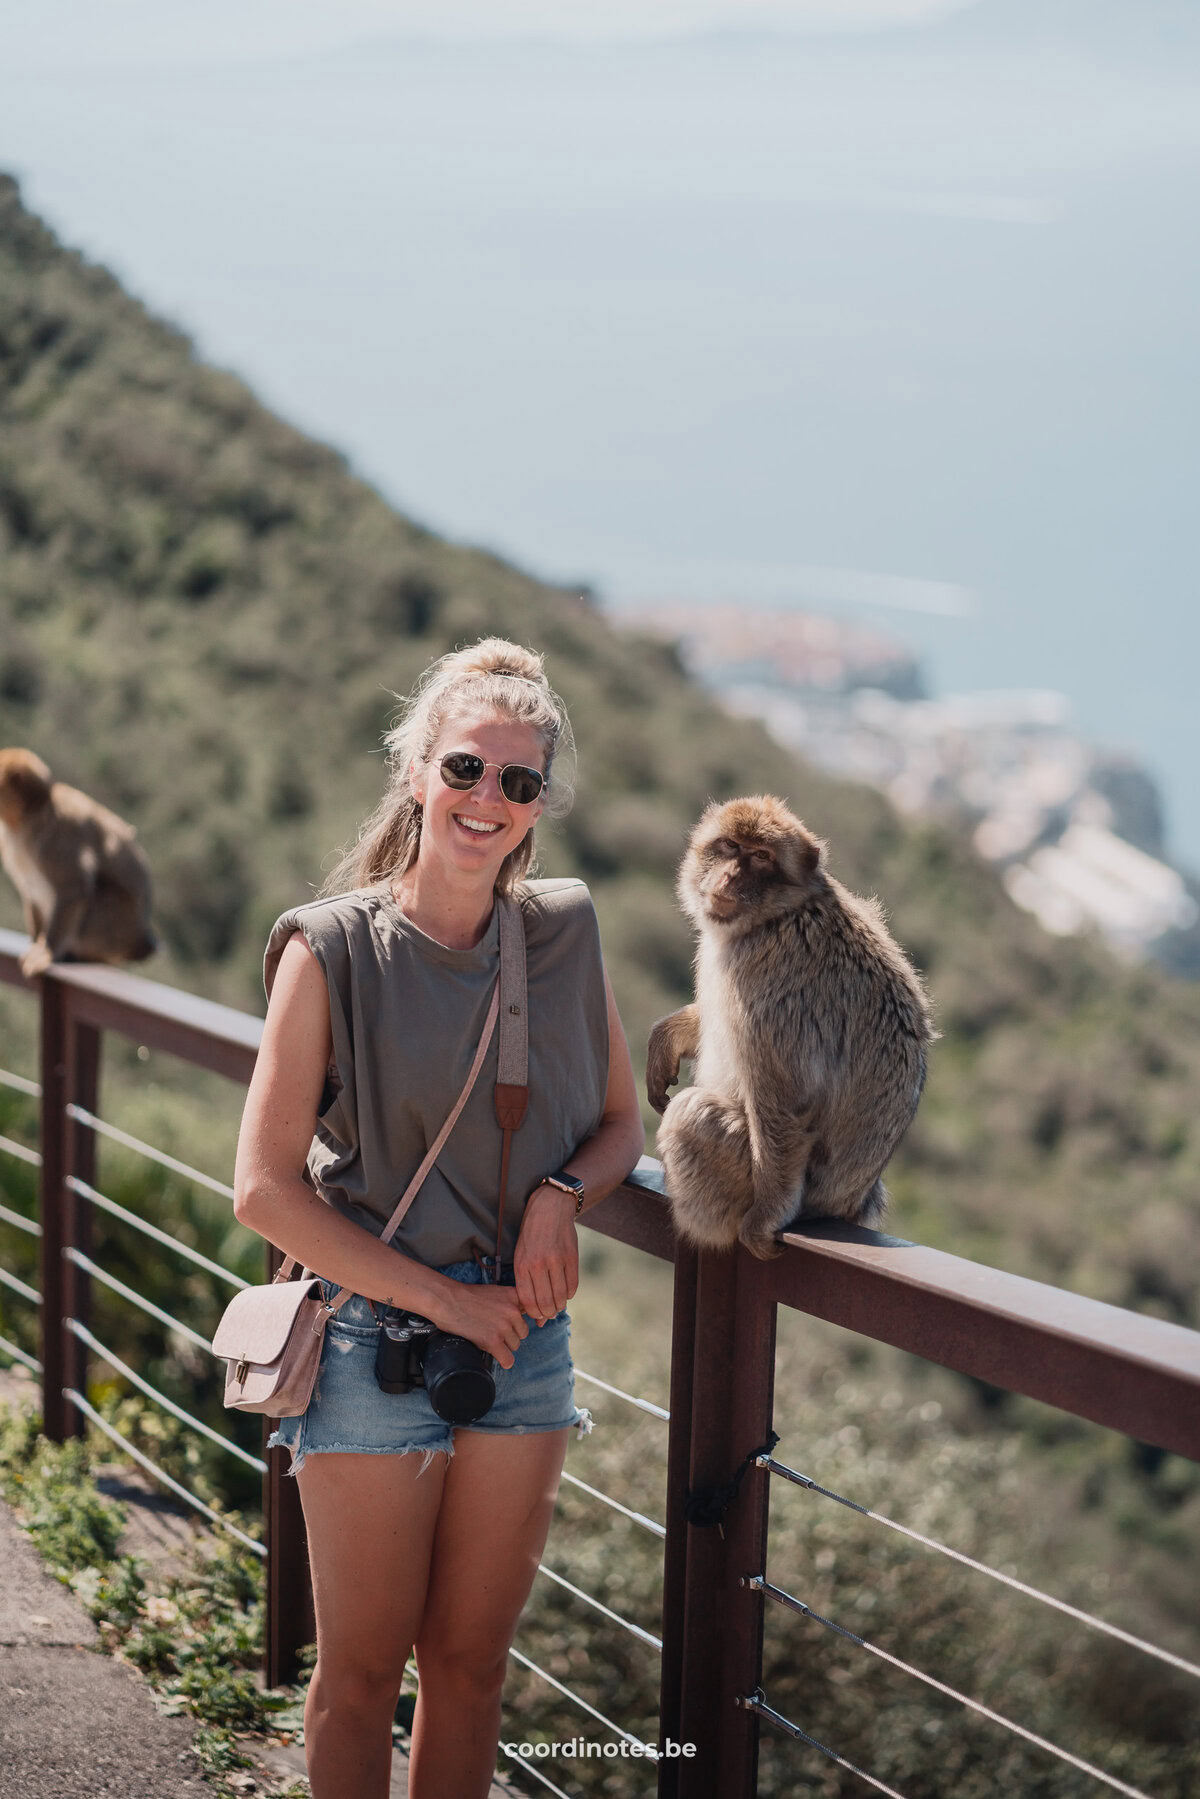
(808, 1035)
(82, 876)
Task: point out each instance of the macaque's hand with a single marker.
(662, 1063)
(36, 960)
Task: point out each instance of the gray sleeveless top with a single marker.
(407, 1014)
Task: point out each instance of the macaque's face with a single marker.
(735, 874)
(749, 860)
(472, 832)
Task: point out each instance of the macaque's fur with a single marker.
(83, 880)
(808, 1036)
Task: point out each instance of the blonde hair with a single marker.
(490, 677)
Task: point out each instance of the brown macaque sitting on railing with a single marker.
(808, 1035)
(83, 879)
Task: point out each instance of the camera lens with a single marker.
(459, 1378)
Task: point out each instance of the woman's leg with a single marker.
(496, 1506)
(370, 1522)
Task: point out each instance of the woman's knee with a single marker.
(356, 1683)
(475, 1668)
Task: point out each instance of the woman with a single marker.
(377, 999)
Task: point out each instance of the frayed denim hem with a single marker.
(582, 1424)
(301, 1452)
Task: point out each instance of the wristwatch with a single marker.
(566, 1183)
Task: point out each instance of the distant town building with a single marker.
(1076, 830)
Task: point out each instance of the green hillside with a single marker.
(203, 619)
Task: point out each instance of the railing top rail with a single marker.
(916, 1272)
(216, 1037)
(1134, 1374)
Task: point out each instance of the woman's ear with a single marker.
(416, 780)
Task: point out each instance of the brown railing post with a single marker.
(746, 1525)
(732, 1389)
(679, 1455)
(58, 1418)
(83, 1072)
(70, 1065)
(289, 1622)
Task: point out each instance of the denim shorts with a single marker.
(350, 1414)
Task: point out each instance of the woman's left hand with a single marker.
(546, 1261)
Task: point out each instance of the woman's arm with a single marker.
(547, 1253)
(273, 1199)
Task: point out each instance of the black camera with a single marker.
(459, 1377)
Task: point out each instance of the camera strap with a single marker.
(512, 1069)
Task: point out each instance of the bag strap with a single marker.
(288, 1265)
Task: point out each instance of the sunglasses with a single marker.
(461, 770)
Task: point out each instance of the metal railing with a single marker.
(1134, 1374)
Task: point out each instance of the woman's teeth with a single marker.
(477, 825)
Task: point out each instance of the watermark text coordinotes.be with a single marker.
(584, 1748)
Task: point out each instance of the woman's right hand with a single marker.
(487, 1316)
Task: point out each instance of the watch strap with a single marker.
(567, 1183)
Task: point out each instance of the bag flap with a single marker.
(258, 1321)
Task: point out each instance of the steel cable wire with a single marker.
(756, 1703)
(185, 1417)
(82, 1116)
(527, 1767)
(151, 1230)
(18, 1220)
(21, 1151)
(21, 1082)
(19, 1286)
(634, 1629)
(21, 1355)
(1008, 1580)
(760, 1584)
(643, 1405)
(160, 1474)
(625, 1511)
(575, 1699)
(136, 1299)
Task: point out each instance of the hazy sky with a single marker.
(897, 323)
(127, 31)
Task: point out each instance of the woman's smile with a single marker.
(480, 816)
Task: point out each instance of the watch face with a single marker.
(569, 1184)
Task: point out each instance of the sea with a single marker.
(900, 324)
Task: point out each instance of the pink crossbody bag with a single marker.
(272, 1336)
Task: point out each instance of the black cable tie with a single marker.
(706, 1506)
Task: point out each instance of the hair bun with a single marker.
(497, 656)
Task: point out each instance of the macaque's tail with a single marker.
(874, 1207)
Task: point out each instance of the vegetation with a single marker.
(1054, 1500)
(203, 619)
(196, 1633)
(1051, 1499)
